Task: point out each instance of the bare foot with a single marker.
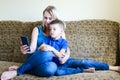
(8, 75)
(13, 68)
(114, 68)
(92, 70)
(118, 68)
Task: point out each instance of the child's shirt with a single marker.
(57, 44)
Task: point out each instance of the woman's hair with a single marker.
(52, 11)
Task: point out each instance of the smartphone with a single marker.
(25, 41)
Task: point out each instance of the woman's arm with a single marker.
(63, 35)
(33, 44)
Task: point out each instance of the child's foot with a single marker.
(13, 68)
(92, 70)
(8, 75)
(118, 69)
(114, 68)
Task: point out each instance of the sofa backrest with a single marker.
(92, 39)
(10, 32)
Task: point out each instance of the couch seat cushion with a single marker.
(98, 75)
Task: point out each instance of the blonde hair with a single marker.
(52, 11)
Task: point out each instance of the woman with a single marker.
(37, 37)
(67, 66)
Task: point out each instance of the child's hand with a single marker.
(62, 59)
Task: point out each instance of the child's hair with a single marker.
(59, 22)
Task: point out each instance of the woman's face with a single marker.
(47, 18)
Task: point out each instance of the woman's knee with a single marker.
(42, 56)
(50, 69)
(47, 69)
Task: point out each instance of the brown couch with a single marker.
(92, 39)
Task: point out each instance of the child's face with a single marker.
(55, 31)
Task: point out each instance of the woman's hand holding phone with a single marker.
(25, 44)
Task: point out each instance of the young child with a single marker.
(56, 43)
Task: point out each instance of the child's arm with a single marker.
(46, 47)
(60, 53)
(66, 57)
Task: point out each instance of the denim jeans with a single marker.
(73, 66)
(38, 63)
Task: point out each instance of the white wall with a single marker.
(31, 10)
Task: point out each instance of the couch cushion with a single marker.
(98, 75)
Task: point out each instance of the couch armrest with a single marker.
(118, 59)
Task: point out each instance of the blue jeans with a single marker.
(41, 64)
(73, 66)
(38, 63)
(44, 70)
